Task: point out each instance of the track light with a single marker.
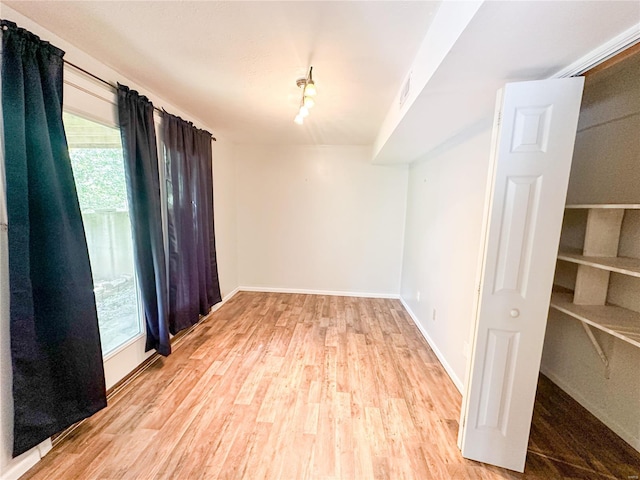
(311, 88)
(308, 91)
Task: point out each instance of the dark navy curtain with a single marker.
(58, 376)
(137, 130)
(193, 272)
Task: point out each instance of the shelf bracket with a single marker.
(596, 345)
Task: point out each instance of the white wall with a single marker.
(225, 215)
(442, 246)
(450, 21)
(605, 169)
(319, 218)
(224, 198)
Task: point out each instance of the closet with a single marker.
(589, 289)
(592, 342)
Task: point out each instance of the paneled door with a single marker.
(532, 149)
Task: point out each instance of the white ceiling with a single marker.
(233, 64)
(506, 41)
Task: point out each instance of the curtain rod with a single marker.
(109, 84)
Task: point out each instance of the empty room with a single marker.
(320, 239)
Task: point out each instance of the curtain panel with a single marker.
(193, 272)
(58, 376)
(138, 134)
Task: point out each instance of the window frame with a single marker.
(88, 98)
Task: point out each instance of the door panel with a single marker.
(516, 234)
(536, 125)
(497, 381)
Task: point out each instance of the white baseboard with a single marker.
(600, 414)
(334, 293)
(21, 465)
(454, 378)
(226, 298)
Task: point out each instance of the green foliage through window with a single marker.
(99, 177)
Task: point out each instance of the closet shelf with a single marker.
(623, 265)
(618, 206)
(616, 321)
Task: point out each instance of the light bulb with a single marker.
(309, 102)
(299, 119)
(304, 111)
(310, 89)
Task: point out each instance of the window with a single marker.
(98, 170)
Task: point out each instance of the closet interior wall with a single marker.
(605, 170)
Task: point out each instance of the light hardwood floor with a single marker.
(277, 386)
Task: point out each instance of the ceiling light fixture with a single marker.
(308, 91)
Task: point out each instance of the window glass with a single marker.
(98, 169)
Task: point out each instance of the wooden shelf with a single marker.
(623, 265)
(596, 260)
(619, 206)
(616, 321)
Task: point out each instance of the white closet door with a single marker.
(533, 146)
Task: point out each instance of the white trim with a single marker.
(225, 299)
(23, 463)
(22, 466)
(334, 293)
(599, 413)
(617, 44)
(82, 81)
(125, 345)
(454, 378)
(45, 447)
(89, 100)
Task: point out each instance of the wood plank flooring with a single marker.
(277, 386)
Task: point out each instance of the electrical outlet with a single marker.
(418, 295)
(433, 315)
